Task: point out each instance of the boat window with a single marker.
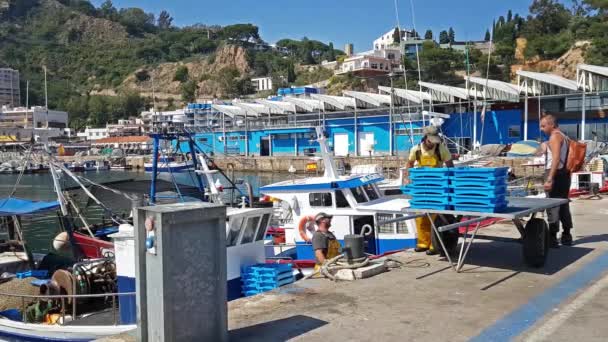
(359, 194)
(341, 201)
(371, 192)
(401, 226)
(250, 229)
(234, 228)
(388, 228)
(262, 230)
(320, 199)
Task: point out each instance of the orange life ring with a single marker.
(302, 227)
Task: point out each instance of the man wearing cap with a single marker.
(431, 152)
(324, 242)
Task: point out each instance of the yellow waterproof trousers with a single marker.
(423, 230)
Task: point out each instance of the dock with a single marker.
(496, 297)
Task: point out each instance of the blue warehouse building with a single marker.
(390, 122)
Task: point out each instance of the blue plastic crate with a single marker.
(431, 182)
(419, 190)
(40, 274)
(478, 184)
(498, 191)
(423, 173)
(266, 269)
(468, 200)
(266, 277)
(482, 208)
(430, 200)
(481, 173)
(430, 206)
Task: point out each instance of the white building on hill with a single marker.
(388, 39)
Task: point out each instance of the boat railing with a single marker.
(66, 297)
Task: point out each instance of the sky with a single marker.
(338, 21)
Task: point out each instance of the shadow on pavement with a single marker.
(277, 330)
(509, 256)
(591, 238)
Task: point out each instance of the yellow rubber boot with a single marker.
(423, 230)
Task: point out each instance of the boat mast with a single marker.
(328, 161)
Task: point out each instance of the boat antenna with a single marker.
(407, 99)
(418, 62)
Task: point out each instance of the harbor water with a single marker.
(39, 230)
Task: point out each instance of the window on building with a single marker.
(203, 140)
(374, 66)
(359, 194)
(321, 199)
(370, 191)
(514, 131)
(381, 65)
(341, 201)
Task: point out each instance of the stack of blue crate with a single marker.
(479, 189)
(429, 188)
(265, 277)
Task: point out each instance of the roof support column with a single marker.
(584, 107)
(526, 109)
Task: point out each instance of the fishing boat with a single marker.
(356, 203)
(169, 164)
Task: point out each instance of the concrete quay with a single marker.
(495, 298)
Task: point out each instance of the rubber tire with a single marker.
(536, 242)
(450, 238)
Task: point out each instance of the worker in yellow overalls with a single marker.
(324, 243)
(431, 152)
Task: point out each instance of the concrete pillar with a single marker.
(181, 272)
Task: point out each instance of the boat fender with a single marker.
(304, 227)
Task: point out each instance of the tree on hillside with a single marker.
(164, 20)
(488, 37)
(136, 21)
(18, 8)
(509, 16)
(181, 74)
(501, 21)
(547, 17)
(396, 36)
(331, 53)
(242, 32)
(108, 11)
(451, 35)
(188, 91)
(291, 73)
(415, 34)
(443, 37)
(428, 35)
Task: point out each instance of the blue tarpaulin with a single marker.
(17, 206)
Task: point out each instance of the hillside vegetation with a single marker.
(105, 63)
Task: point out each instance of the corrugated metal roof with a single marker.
(409, 95)
(339, 102)
(444, 93)
(596, 69)
(549, 79)
(377, 100)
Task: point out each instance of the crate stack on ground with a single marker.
(429, 188)
(479, 189)
(265, 277)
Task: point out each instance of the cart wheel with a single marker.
(536, 242)
(450, 238)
